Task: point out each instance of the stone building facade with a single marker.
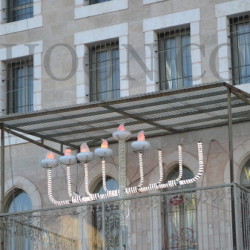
(77, 52)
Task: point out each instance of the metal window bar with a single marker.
(240, 48)
(20, 85)
(104, 71)
(175, 67)
(97, 1)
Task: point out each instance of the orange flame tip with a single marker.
(121, 127)
(104, 144)
(50, 155)
(141, 136)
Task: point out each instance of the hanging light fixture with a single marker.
(104, 152)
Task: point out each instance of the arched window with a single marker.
(245, 175)
(245, 209)
(180, 222)
(18, 201)
(111, 184)
(110, 222)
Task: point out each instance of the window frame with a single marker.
(235, 22)
(96, 1)
(175, 204)
(177, 36)
(82, 41)
(12, 196)
(12, 7)
(153, 25)
(11, 239)
(13, 101)
(33, 49)
(223, 12)
(110, 51)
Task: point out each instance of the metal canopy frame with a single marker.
(161, 113)
(158, 114)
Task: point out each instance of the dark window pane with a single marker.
(20, 86)
(104, 71)
(175, 66)
(240, 47)
(19, 10)
(97, 1)
(20, 202)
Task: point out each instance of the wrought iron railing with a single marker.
(197, 218)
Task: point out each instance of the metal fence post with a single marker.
(122, 185)
(231, 161)
(2, 181)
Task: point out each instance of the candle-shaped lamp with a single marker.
(121, 133)
(67, 158)
(104, 151)
(49, 161)
(85, 155)
(140, 145)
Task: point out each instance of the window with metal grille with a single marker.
(19, 10)
(20, 86)
(18, 202)
(180, 217)
(104, 71)
(175, 66)
(109, 219)
(240, 47)
(97, 1)
(245, 175)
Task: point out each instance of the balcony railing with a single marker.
(198, 218)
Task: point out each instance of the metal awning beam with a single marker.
(196, 112)
(76, 124)
(175, 92)
(57, 119)
(42, 137)
(242, 97)
(174, 100)
(40, 144)
(125, 114)
(188, 129)
(156, 110)
(157, 103)
(208, 119)
(171, 109)
(93, 129)
(96, 139)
